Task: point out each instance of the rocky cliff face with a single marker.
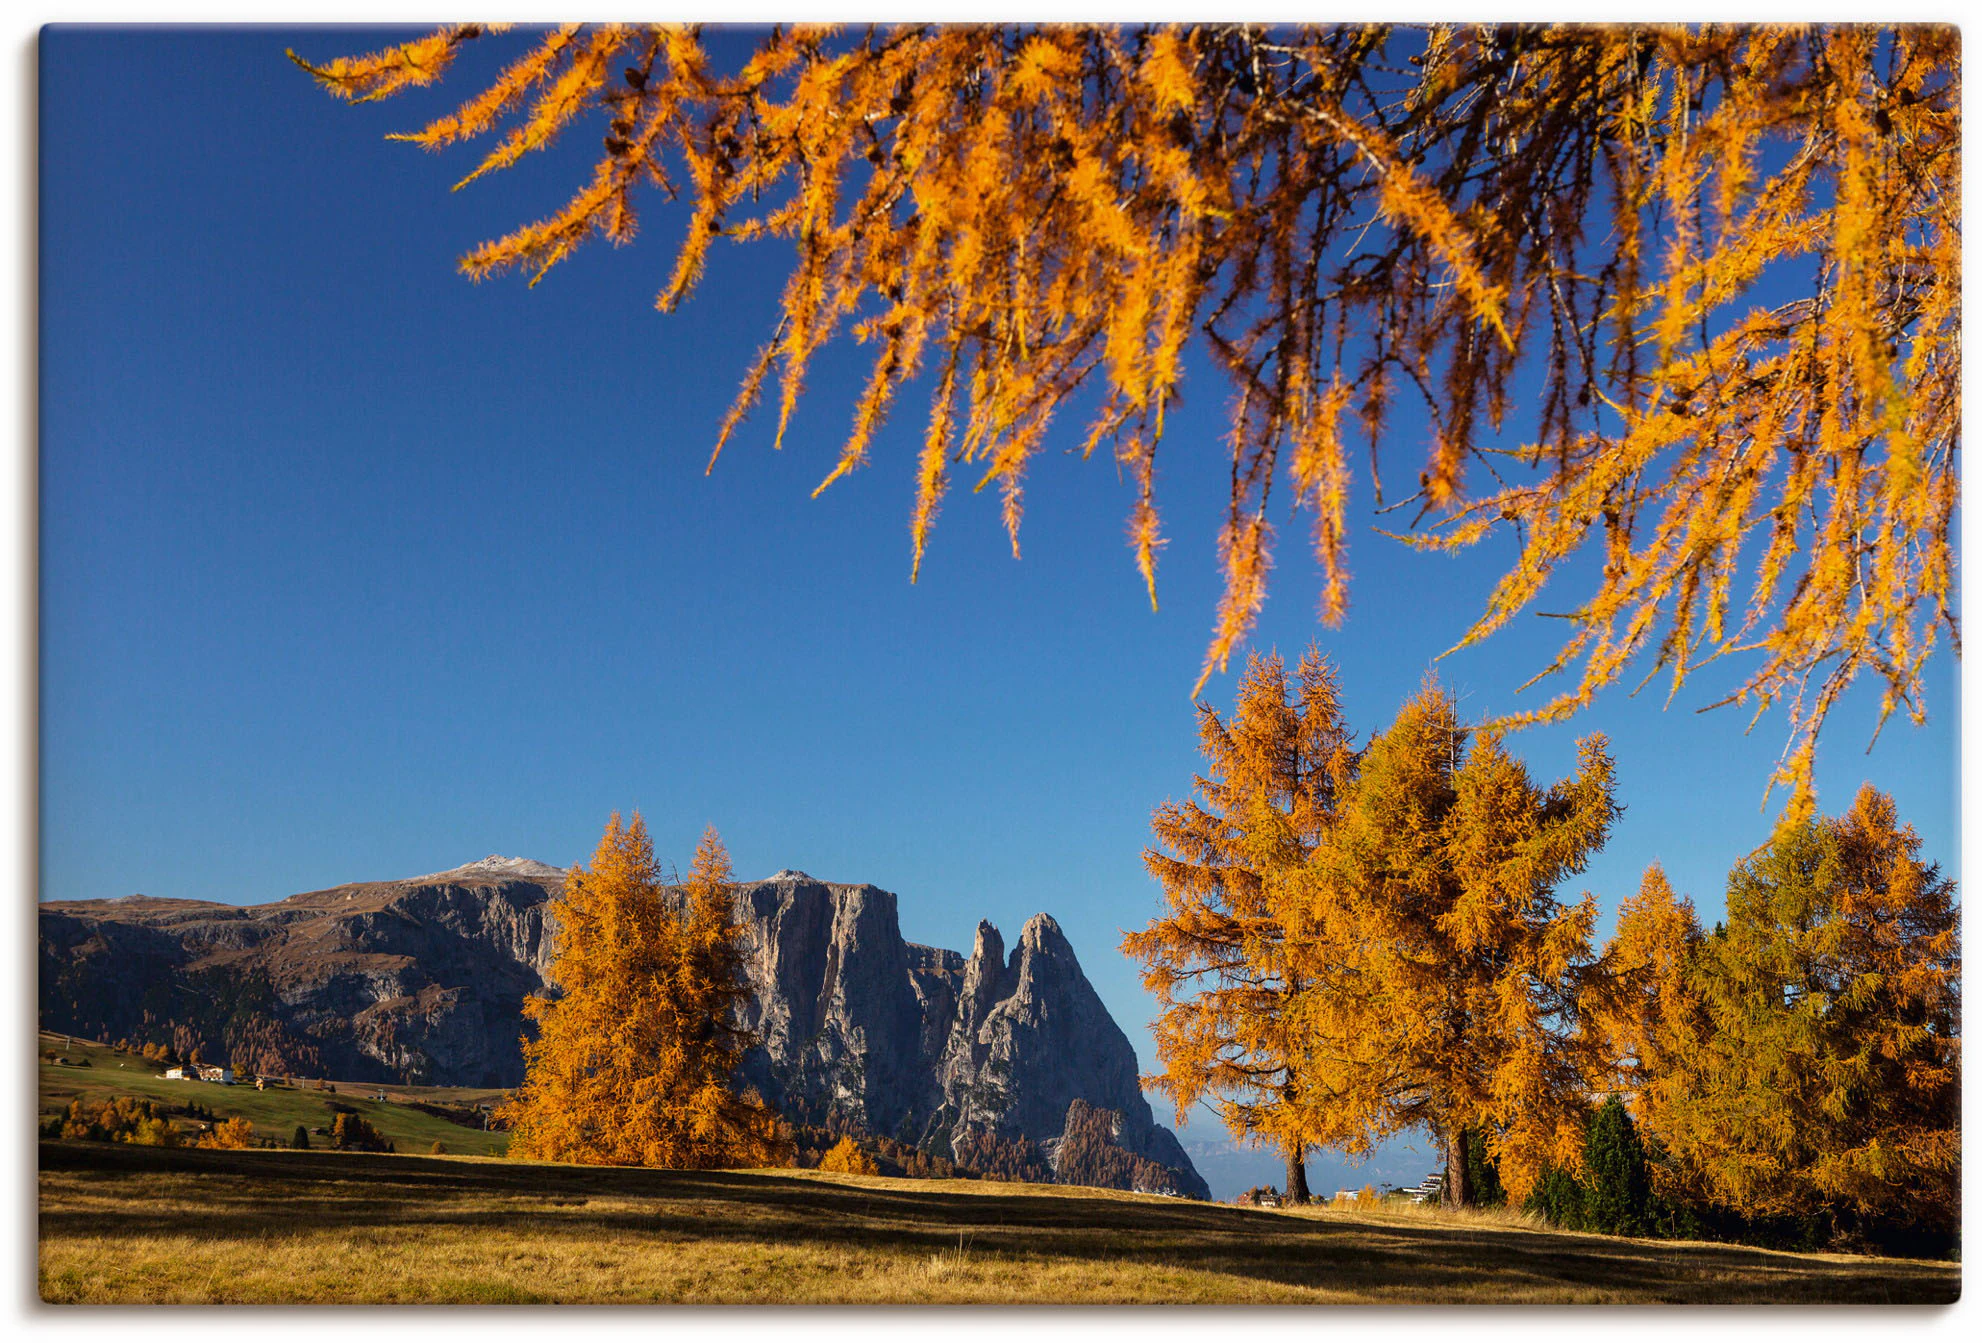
(921, 1045)
(422, 981)
(419, 981)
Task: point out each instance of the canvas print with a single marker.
(999, 664)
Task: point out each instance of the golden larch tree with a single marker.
(1439, 973)
(635, 1057)
(1689, 296)
(1216, 959)
(1820, 1075)
(847, 1157)
(1639, 1008)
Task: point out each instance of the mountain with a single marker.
(416, 981)
(1000, 1061)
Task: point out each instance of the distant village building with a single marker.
(1430, 1190)
(176, 1074)
(217, 1072)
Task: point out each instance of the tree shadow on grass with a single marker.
(258, 1193)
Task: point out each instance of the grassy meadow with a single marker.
(276, 1112)
(140, 1224)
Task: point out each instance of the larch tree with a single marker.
(1440, 975)
(1643, 1022)
(1217, 958)
(1639, 1008)
(1722, 264)
(1821, 1075)
(635, 1057)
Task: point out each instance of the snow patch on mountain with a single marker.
(495, 865)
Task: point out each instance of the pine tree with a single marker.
(1216, 960)
(634, 1060)
(1617, 1195)
(1704, 283)
(1482, 1172)
(1440, 973)
(1821, 1076)
(1558, 1198)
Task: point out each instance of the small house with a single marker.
(176, 1074)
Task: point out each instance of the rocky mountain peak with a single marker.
(496, 866)
(989, 945)
(1042, 936)
(984, 976)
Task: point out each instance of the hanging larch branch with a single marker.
(1722, 264)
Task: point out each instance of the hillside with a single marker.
(275, 1113)
(416, 981)
(128, 1224)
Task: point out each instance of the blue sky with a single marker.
(353, 569)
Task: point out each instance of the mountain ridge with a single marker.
(421, 979)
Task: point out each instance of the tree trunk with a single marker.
(1297, 1175)
(1458, 1181)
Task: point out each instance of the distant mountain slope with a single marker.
(419, 981)
(422, 981)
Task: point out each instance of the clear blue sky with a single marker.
(352, 569)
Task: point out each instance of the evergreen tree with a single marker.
(1482, 1172)
(1558, 1198)
(1617, 1192)
(635, 1058)
(300, 1139)
(1218, 960)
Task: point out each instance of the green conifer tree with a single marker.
(1616, 1191)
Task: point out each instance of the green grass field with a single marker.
(275, 1113)
(138, 1224)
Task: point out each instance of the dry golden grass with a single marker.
(122, 1224)
(1400, 1211)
